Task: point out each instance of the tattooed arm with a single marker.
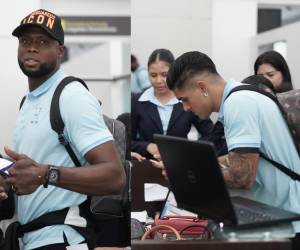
(242, 170)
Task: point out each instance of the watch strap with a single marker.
(46, 177)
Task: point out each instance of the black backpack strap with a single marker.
(282, 168)
(271, 96)
(22, 102)
(261, 91)
(56, 120)
(16, 230)
(279, 166)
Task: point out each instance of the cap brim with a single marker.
(18, 31)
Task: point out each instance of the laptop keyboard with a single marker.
(251, 215)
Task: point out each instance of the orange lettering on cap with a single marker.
(30, 19)
(50, 23)
(40, 19)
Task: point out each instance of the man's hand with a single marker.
(160, 165)
(26, 175)
(137, 156)
(153, 149)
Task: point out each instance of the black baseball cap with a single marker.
(44, 19)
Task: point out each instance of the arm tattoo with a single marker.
(242, 170)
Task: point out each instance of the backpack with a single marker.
(289, 106)
(102, 207)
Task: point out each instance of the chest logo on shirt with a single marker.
(36, 114)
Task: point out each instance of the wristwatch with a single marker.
(52, 176)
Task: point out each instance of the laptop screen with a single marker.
(197, 182)
(195, 177)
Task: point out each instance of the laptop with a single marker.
(198, 185)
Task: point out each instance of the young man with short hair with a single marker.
(252, 122)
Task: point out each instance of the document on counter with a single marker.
(155, 192)
(140, 216)
(170, 208)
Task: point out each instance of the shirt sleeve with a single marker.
(82, 115)
(242, 123)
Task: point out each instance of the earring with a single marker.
(205, 94)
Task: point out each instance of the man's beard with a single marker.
(44, 69)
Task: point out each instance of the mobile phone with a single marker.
(5, 165)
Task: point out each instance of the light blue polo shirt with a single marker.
(164, 110)
(33, 136)
(252, 120)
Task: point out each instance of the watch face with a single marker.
(53, 175)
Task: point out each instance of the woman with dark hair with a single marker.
(273, 66)
(157, 110)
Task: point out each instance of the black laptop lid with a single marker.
(195, 177)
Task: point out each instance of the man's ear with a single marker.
(61, 51)
(202, 86)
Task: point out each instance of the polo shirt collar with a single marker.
(228, 87)
(45, 86)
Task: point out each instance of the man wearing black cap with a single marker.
(47, 21)
(43, 176)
